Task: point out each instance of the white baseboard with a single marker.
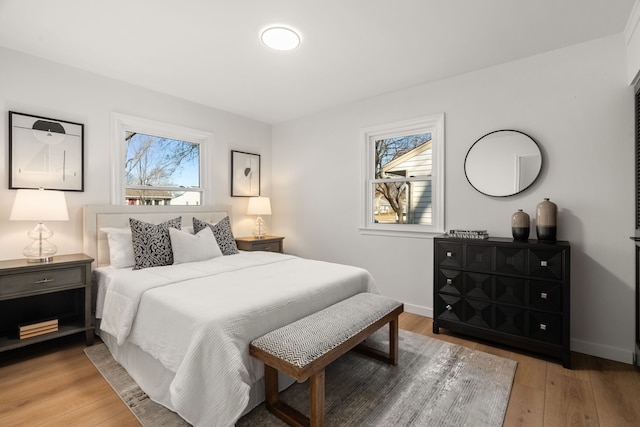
(418, 309)
(579, 346)
(601, 350)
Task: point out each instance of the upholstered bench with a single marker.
(304, 348)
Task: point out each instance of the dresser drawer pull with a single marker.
(449, 281)
(37, 282)
(543, 295)
(449, 307)
(543, 263)
(449, 254)
(543, 327)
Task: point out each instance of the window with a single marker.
(404, 166)
(158, 163)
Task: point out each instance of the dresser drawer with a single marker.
(449, 307)
(545, 327)
(510, 319)
(546, 263)
(478, 257)
(545, 296)
(510, 290)
(511, 260)
(478, 285)
(450, 281)
(35, 282)
(449, 255)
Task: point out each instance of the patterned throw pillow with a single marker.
(151, 243)
(222, 232)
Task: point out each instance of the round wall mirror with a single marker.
(503, 163)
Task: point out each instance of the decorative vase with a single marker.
(520, 225)
(546, 217)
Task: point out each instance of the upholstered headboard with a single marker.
(98, 216)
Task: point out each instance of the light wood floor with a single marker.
(54, 384)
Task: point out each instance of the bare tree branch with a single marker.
(387, 150)
(153, 161)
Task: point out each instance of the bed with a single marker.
(182, 331)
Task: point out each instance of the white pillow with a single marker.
(120, 247)
(190, 248)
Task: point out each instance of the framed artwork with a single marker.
(45, 153)
(245, 174)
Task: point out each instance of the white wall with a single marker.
(576, 102)
(35, 86)
(632, 37)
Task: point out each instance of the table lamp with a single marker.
(39, 205)
(259, 206)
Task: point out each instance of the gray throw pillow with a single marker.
(151, 243)
(222, 232)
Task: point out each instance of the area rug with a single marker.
(435, 384)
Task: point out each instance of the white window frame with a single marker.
(122, 123)
(433, 124)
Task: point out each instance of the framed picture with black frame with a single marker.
(245, 174)
(45, 153)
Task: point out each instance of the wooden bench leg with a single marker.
(270, 385)
(393, 342)
(280, 409)
(316, 399)
(392, 356)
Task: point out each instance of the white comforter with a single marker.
(197, 319)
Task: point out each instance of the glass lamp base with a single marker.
(259, 230)
(40, 260)
(41, 250)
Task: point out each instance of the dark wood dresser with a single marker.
(511, 292)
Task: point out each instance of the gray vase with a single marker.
(520, 225)
(546, 220)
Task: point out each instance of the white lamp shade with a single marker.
(39, 205)
(259, 206)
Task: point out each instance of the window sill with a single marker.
(400, 233)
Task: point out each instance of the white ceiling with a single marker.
(209, 51)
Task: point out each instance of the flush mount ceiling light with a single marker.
(280, 38)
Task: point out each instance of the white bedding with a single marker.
(197, 319)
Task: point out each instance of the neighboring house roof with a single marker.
(148, 194)
(396, 164)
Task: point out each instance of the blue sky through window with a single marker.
(156, 161)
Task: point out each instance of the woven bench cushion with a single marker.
(305, 340)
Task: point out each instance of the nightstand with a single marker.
(268, 244)
(43, 301)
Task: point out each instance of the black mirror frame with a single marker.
(490, 133)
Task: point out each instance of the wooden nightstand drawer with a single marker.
(28, 283)
(268, 244)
